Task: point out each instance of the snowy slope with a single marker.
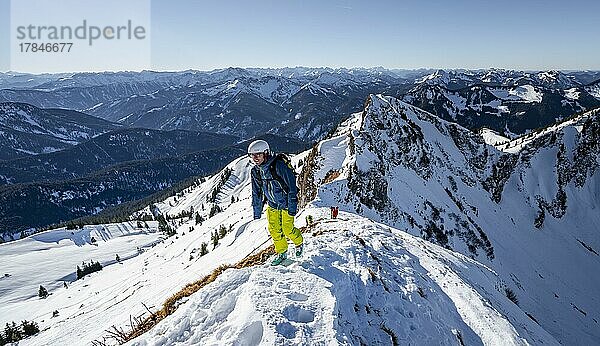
(399, 174)
(492, 137)
(30, 262)
(523, 93)
(415, 172)
(125, 287)
(359, 282)
(565, 128)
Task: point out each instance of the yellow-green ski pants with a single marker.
(281, 225)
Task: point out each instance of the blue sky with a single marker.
(204, 35)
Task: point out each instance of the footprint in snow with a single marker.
(286, 329)
(298, 314)
(297, 297)
(284, 286)
(251, 335)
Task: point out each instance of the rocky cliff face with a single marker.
(524, 207)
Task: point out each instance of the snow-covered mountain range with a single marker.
(441, 239)
(525, 209)
(509, 102)
(109, 149)
(26, 130)
(116, 168)
(236, 101)
(307, 103)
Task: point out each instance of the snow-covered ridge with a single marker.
(430, 178)
(31, 130)
(358, 282)
(511, 102)
(594, 90)
(517, 144)
(444, 78)
(398, 174)
(525, 93)
(551, 79)
(492, 137)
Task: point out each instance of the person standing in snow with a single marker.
(273, 180)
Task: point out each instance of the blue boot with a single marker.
(299, 250)
(279, 258)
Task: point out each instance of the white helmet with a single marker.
(258, 146)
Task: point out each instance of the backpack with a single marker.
(288, 163)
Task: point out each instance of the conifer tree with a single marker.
(42, 292)
(203, 249)
(222, 232)
(29, 328)
(215, 239)
(199, 219)
(12, 333)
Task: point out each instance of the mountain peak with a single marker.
(440, 239)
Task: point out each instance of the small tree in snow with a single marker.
(203, 249)
(222, 232)
(215, 239)
(214, 210)
(510, 294)
(12, 332)
(42, 292)
(199, 219)
(29, 328)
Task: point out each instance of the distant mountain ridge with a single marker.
(307, 103)
(510, 108)
(27, 130)
(39, 204)
(123, 145)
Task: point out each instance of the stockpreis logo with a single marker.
(77, 35)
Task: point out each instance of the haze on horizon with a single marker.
(469, 34)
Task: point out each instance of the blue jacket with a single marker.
(265, 186)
